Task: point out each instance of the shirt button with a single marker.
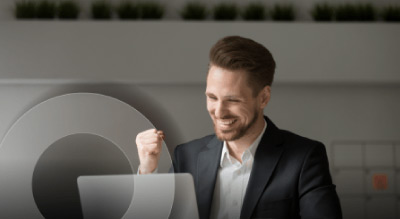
(235, 203)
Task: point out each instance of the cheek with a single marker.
(210, 107)
(246, 112)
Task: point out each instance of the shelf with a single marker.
(177, 52)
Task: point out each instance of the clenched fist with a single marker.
(149, 145)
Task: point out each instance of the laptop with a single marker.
(138, 196)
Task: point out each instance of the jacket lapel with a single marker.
(207, 169)
(267, 156)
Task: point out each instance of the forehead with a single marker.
(227, 82)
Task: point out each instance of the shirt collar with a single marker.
(250, 150)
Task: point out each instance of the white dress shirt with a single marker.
(232, 180)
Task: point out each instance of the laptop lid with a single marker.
(138, 196)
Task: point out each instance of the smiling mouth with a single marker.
(226, 123)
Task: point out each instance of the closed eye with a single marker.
(212, 97)
(234, 100)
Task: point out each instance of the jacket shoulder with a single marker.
(186, 155)
(300, 143)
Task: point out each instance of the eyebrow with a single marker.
(232, 97)
(226, 97)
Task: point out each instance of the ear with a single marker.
(265, 96)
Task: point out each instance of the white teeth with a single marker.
(228, 122)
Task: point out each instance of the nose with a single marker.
(220, 109)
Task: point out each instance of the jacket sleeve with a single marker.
(175, 168)
(317, 194)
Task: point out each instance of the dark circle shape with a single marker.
(54, 182)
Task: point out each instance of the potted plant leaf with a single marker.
(225, 11)
(127, 10)
(151, 10)
(101, 10)
(346, 12)
(283, 12)
(366, 12)
(194, 11)
(46, 9)
(254, 12)
(391, 13)
(322, 12)
(25, 9)
(68, 9)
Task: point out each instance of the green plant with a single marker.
(127, 10)
(254, 12)
(101, 10)
(346, 12)
(194, 11)
(366, 12)
(322, 12)
(68, 9)
(391, 13)
(25, 9)
(225, 11)
(46, 9)
(355, 12)
(151, 10)
(283, 12)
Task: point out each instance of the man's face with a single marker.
(231, 104)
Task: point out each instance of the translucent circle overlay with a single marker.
(54, 183)
(67, 115)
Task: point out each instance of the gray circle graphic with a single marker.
(54, 183)
(66, 115)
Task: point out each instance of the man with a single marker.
(249, 168)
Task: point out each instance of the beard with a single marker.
(237, 133)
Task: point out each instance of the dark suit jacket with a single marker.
(290, 176)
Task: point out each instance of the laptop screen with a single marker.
(138, 196)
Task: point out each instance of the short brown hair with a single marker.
(239, 53)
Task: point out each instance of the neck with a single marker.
(237, 147)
